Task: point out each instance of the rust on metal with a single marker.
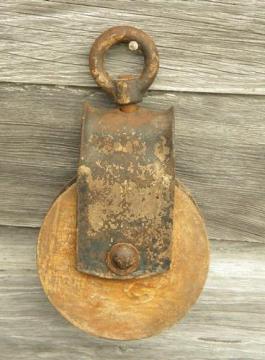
(125, 90)
(125, 177)
(123, 258)
(125, 189)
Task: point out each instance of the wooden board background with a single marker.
(213, 71)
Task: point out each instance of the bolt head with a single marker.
(123, 258)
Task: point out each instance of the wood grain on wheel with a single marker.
(122, 309)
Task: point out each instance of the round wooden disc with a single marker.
(122, 309)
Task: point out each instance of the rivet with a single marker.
(123, 258)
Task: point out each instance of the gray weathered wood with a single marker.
(220, 153)
(228, 322)
(206, 46)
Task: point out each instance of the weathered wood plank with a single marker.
(226, 323)
(220, 153)
(206, 46)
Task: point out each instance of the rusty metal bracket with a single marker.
(125, 180)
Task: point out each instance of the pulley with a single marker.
(123, 252)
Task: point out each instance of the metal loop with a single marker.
(125, 90)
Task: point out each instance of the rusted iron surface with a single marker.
(123, 258)
(126, 173)
(125, 192)
(126, 89)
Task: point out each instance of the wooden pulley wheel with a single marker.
(123, 252)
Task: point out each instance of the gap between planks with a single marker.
(149, 92)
